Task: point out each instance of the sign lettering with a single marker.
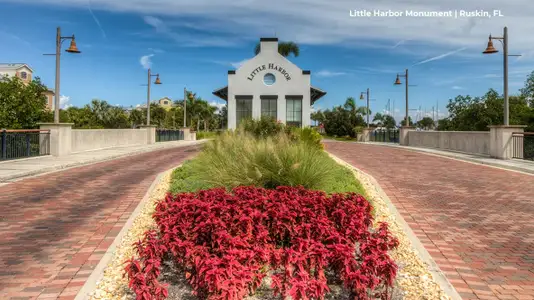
(270, 66)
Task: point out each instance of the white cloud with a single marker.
(238, 64)
(441, 56)
(96, 20)
(326, 73)
(218, 105)
(64, 102)
(398, 44)
(456, 87)
(146, 61)
(320, 22)
(156, 50)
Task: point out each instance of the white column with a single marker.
(60, 137)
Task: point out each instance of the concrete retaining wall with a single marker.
(476, 142)
(92, 139)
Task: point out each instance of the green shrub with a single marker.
(310, 137)
(207, 134)
(264, 127)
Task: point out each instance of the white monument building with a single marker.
(269, 84)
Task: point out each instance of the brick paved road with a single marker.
(55, 228)
(477, 222)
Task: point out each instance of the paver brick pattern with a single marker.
(55, 228)
(477, 222)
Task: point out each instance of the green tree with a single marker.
(284, 48)
(137, 117)
(379, 119)
(117, 118)
(174, 118)
(425, 123)
(157, 115)
(528, 90)
(389, 122)
(22, 106)
(403, 122)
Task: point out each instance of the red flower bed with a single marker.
(227, 242)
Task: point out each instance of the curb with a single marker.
(48, 170)
(98, 273)
(437, 274)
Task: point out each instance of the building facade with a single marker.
(166, 103)
(25, 74)
(269, 84)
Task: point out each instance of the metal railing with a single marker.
(15, 144)
(384, 136)
(523, 145)
(167, 135)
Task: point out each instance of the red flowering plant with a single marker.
(228, 242)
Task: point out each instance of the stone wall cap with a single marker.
(408, 127)
(148, 126)
(56, 124)
(507, 126)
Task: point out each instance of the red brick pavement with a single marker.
(55, 228)
(477, 222)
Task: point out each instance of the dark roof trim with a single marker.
(272, 97)
(268, 39)
(222, 93)
(295, 96)
(306, 72)
(243, 97)
(232, 72)
(316, 94)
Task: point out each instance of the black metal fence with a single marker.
(167, 135)
(384, 136)
(523, 145)
(16, 144)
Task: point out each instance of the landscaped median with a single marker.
(264, 215)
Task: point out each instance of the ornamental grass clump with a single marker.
(239, 159)
(227, 242)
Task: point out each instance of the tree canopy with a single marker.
(21, 105)
(284, 48)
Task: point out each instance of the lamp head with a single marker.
(73, 48)
(490, 49)
(397, 81)
(361, 96)
(157, 80)
(191, 96)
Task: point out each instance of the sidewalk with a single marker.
(512, 164)
(17, 169)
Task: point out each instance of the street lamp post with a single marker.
(367, 113)
(72, 49)
(490, 50)
(157, 81)
(185, 107)
(398, 82)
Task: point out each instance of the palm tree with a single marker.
(284, 48)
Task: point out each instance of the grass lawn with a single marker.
(340, 138)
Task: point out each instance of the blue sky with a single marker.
(194, 43)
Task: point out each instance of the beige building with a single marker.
(25, 73)
(165, 102)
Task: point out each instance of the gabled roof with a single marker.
(315, 93)
(14, 66)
